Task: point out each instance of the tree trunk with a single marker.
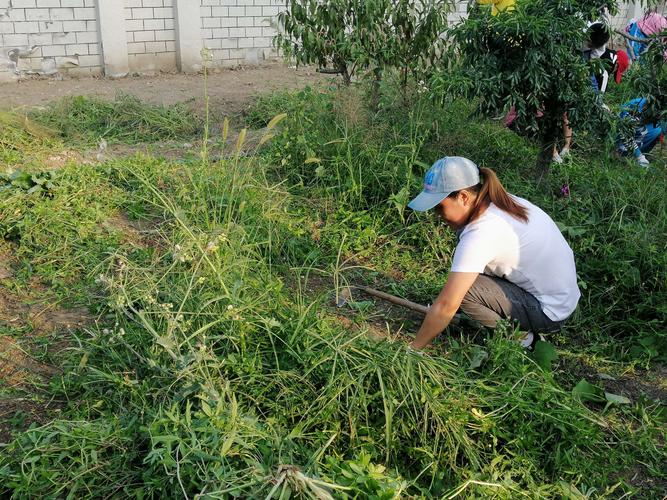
(375, 89)
(544, 159)
(550, 129)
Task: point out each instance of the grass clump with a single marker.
(126, 119)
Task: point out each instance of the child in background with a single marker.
(645, 136)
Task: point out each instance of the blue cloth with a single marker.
(635, 49)
(645, 136)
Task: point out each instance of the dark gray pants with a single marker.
(491, 299)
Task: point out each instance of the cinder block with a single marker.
(221, 55)
(244, 21)
(164, 12)
(90, 61)
(253, 32)
(74, 3)
(144, 36)
(87, 37)
(89, 3)
(168, 3)
(210, 2)
(152, 3)
(262, 42)
(154, 24)
(50, 26)
(6, 27)
(237, 11)
(40, 39)
(205, 11)
(155, 47)
(64, 38)
(77, 48)
(136, 48)
(206, 33)
(94, 48)
(220, 33)
(20, 4)
(62, 14)
(253, 11)
(229, 43)
(134, 24)
(211, 22)
(165, 35)
(237, 53)
(37, 15)
(220, 11)
(74, 25)
(129, 4)
(16, 15)
(269, 31)
(15, 40)
(228, 22)
(171, 46)
(142, 13)
(129, 36)
(228, 3)
(169, 24)
(91, 25)
(262, 22)
(245, 2)
(26, 27)
(53, 50)
(48, 3)
(245, 43)
(270, 11)
(85, 13)
(212, 44)
(237, 32)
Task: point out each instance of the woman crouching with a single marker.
(511, 261)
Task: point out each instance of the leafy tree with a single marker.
(650, 81)
(530, 57)
(343, 36)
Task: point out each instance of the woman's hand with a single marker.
(444, 308)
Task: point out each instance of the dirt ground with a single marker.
(229, 90)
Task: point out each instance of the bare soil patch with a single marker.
(229, 90)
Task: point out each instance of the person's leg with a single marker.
(650, 139)
(491, 299)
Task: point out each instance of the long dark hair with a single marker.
(490, 190)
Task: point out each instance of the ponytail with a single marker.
(490, 190)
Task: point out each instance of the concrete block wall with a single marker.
(48, 37)
(151, 35)
(239, 31)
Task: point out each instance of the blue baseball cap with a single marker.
(447, 175)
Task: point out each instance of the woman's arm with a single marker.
(444, 308)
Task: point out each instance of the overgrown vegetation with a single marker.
(213, 370)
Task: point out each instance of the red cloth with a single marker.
(623, 62)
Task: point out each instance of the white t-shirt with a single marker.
(532, 255)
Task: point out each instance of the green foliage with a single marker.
(529, 58)
(126, 119)
(214, 371)
(31, 183)
(650, 81)
(353, 34)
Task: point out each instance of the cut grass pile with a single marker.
(209, 373)
(87, 120)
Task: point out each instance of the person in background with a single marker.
(651, 24)
(510, 263)
(644, 137)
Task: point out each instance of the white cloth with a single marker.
(532, 255)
